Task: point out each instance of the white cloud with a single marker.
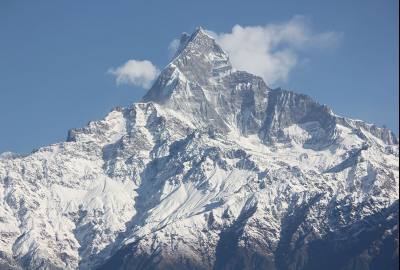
(140, 73)
(273, 50)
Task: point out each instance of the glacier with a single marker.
(212, 169)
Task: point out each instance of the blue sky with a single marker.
(55, 57)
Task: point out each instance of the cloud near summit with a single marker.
(271, 51)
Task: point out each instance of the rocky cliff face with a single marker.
(211, 170)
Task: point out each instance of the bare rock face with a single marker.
(211, 170)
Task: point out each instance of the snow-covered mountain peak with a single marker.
(212, 170)
(200, 58)
(198, 36)
(199, 63)
(201, 83)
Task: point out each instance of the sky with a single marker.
(64, 63)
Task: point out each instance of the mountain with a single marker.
(211, 170)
